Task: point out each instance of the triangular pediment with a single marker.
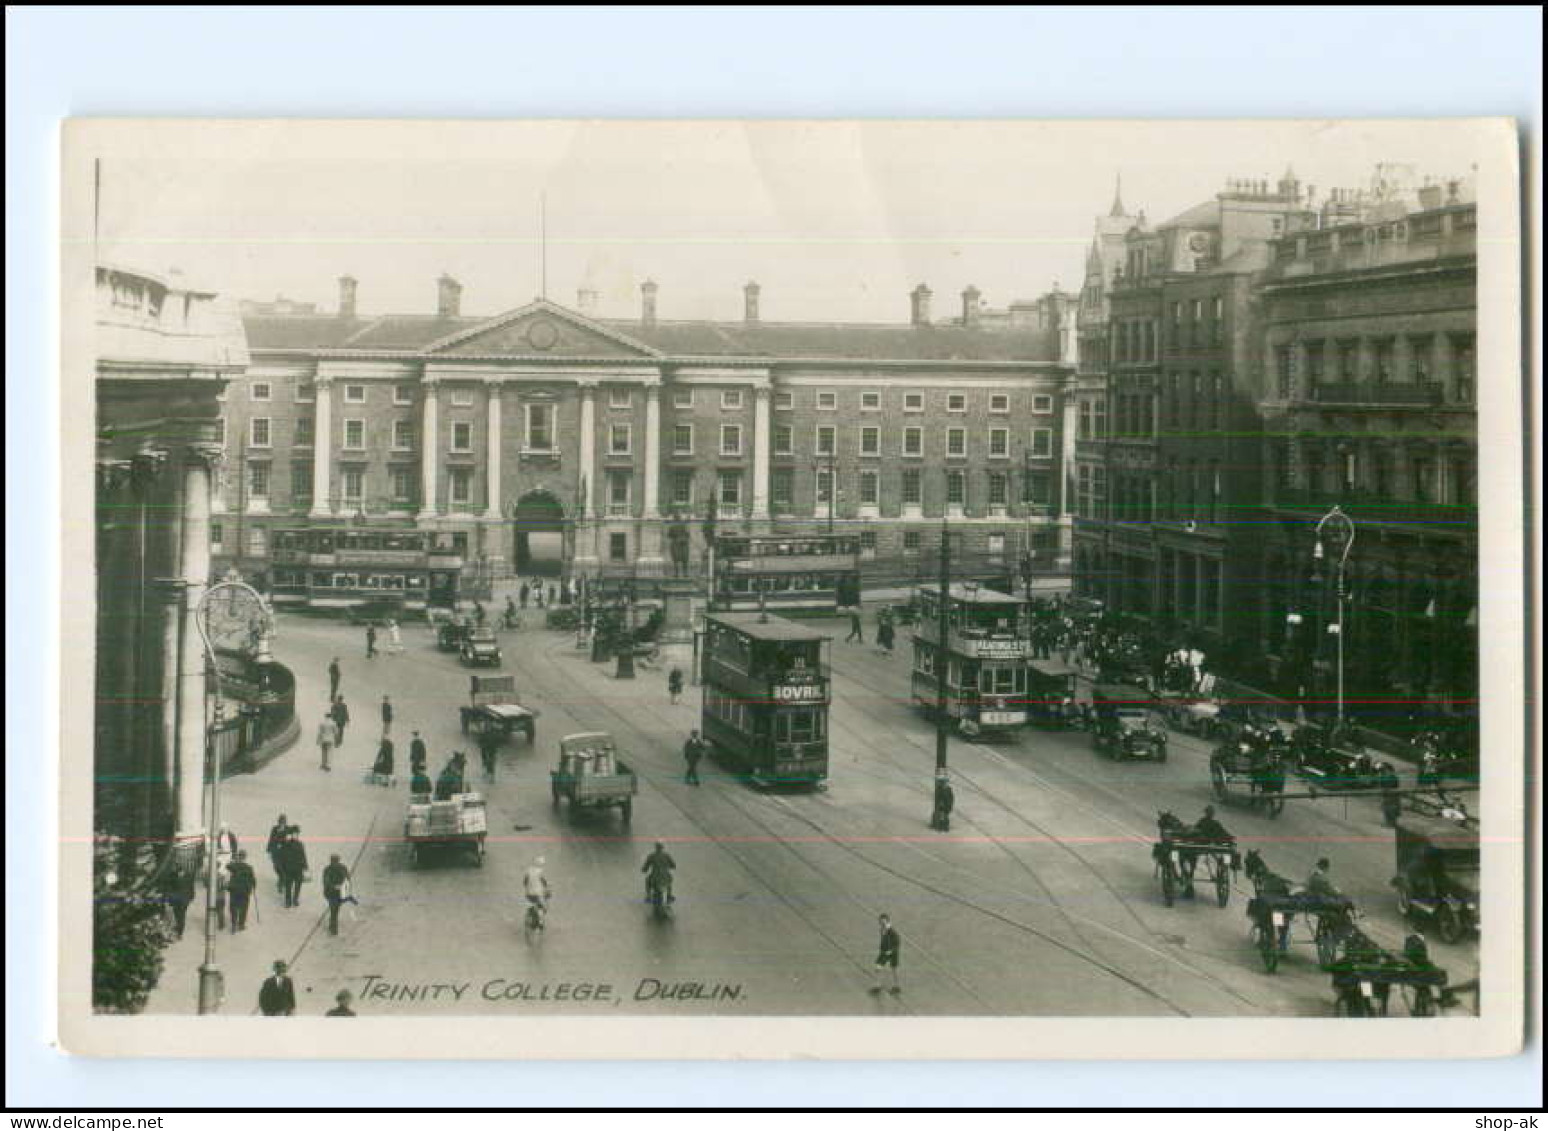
(540, 329)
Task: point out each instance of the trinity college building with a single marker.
(548, 440)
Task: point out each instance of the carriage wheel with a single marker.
(1168, 885)
(1448, 924)
(1222, 884)
(1268, 949)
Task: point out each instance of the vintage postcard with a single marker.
(793, 589)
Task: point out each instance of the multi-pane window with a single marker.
(1349, 361)
(730, 439)
(730, 399)
(462, 436)
(540, 427)
(1037, 488)
(868, 544)
(304, 434)
(913, 441)
(354, 394)
(1099, 419)
(353, 484)
(913, 540)
(997, 492)
(461, 483)
(1196, 329)
(1174, 337)
(1383, 351)
(1284, 371)
(956, 488)
(784, 439)
(870, 493)
(1000, 402)
(619, 439)
(870, 402)
(260, 391)
(619, 398)
(402, 434)
(682, 439)
(1315, 355)
(462, 395)
(824, 486)
(827, 402)
(1042, 404)
(1042, 443)
(682, 398)
(1217, 320)
(870, 441)
(999, 442)
(731, 488)
(402, 485)
(618, 547)
(306, 392)
(258, 432)
(682, 488)
(403, 394)
(257, 542)
(1421, 350)
(913, 402)
(956, 402)
(782, 487)
(1216, 399)
(301, 483)
(619, 484)
(1085, 420)
(1462, 363)
(258, 482)
(825, 439)
(913, 492)
(217, 537)
(784, 400)
(956, 441)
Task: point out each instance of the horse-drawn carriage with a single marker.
(1179, 852)
(1248, 773)
(1364, 974)
(1275, 906)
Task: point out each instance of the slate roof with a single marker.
(836, 340)
(1206, 215)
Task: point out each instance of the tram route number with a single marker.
(798, 692)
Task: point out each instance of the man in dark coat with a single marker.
(277, 838)
(524, 593)
(278, 996)
(419, 755)
(340, 713)
(293, 866)
(489, 752)
(693, 750)
(945, 801)
(452, 778)
(856, 632)
(370, 641)
(383, 767)
(386, 716)
(335, 880)
(335, 673)
(241, 882)
(888, 951)
(178, 890)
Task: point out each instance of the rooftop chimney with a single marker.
(586, 301)
(750, 303)
(648, 291)
(970, 305)
(448, 297)
(347, 285)
(920, 302)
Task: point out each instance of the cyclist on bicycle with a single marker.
(535, 884)
(658, 868)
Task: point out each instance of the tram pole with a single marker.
(942, 719)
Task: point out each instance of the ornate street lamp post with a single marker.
(1336, 531)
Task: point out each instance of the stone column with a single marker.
(194, 568)
(430, 445)
(586, 488)
(322, 450)
(650, 525)
(761, 442)
(494, 508)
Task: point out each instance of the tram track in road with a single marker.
(786, 845)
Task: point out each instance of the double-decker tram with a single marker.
(978, 674)
(810, 573)
(333, 568)
(766, 694)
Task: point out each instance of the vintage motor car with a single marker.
(1325, 763)
(1126, 724)
(480, 647)
(494, 709)
(1437, 873)
(452, 633)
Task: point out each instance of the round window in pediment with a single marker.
(542, 335)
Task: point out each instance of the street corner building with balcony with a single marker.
(1243, 368)
(550, 440)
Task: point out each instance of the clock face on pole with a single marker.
(235, 619)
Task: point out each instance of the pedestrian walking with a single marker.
(1391, 799)
(327, 739)
(370, 641)
(945, 801)
(340, 714)
(478, 613)
(386, 716)
(277, 836)
(335, 673)
(277, 998)
(293, 866)
(675, 684)
(178, 891)
(382, 768)
(856, 632)
(342, 1009)
(886, 636)
(888, 951)
(418, 755)
(523, 593)
(336, 890)
(489, 752)
(241, 882)
(553, 594)
(394, 639)
(693, 750)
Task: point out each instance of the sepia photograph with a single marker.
(824, 582)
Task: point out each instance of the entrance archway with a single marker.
(539, 526)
